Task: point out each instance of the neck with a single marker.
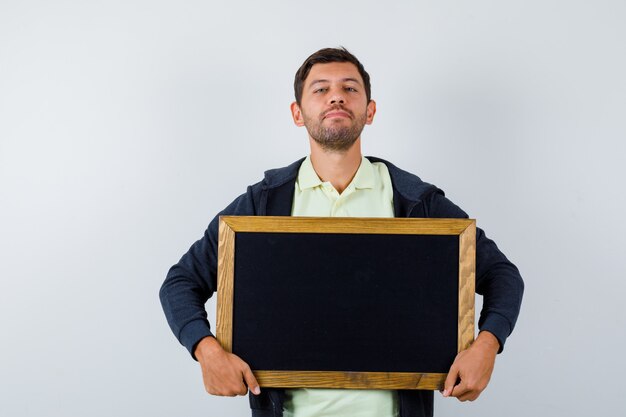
(338, 168)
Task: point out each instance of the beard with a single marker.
(336, 137)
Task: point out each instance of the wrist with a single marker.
(207, 346)
(487, 340)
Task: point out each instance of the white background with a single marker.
(125, 126)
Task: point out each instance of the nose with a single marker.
(336, 97)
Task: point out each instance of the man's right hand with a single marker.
(224, 373)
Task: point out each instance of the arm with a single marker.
(501, 285)
(497, 279)
(186, 289)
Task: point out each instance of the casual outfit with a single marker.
(369, 194)
(193, 279)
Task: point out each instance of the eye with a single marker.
(320, 90)
(351, 89)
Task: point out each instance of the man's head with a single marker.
(325, 56)
(333, 99)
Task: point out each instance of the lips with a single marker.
(336, 113)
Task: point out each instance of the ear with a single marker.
(296, 113)
(370, 112)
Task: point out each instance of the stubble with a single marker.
(335, 137)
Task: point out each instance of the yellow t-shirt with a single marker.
(370, 194)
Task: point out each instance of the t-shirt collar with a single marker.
(364, 177)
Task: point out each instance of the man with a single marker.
(333, 102)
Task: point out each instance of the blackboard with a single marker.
(346, 303)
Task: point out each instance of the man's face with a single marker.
(334, 105)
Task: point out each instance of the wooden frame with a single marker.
(465, 229)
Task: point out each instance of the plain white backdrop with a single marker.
(125, 126)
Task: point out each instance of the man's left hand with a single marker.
(472, 368)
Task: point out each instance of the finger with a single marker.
(460, 390)
(451, 379)
(251, 381)
(235, 389)
(469, 396)
(242, 390)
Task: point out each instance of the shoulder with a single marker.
(279, 176)
(249, 202)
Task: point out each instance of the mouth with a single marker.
(332, 114)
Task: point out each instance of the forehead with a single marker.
(333, 71)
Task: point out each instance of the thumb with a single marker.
(250, 380)
(450, 381)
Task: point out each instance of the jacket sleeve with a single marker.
(497, 279)
(193, 280)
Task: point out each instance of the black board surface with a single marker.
(346, 302)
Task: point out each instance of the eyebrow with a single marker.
(342, 80)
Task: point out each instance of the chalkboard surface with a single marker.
(343, 302)
(346, 302)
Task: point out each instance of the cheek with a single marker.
(311, 109)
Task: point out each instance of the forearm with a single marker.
(191, 282)
(183, 302)
(497, 279)
(187, 287)
(502, 288)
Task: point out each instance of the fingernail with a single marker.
(256, 391)
(446, 392)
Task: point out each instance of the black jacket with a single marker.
(191, 282)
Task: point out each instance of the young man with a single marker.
(333, 102)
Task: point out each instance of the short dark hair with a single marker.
(324, 56)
